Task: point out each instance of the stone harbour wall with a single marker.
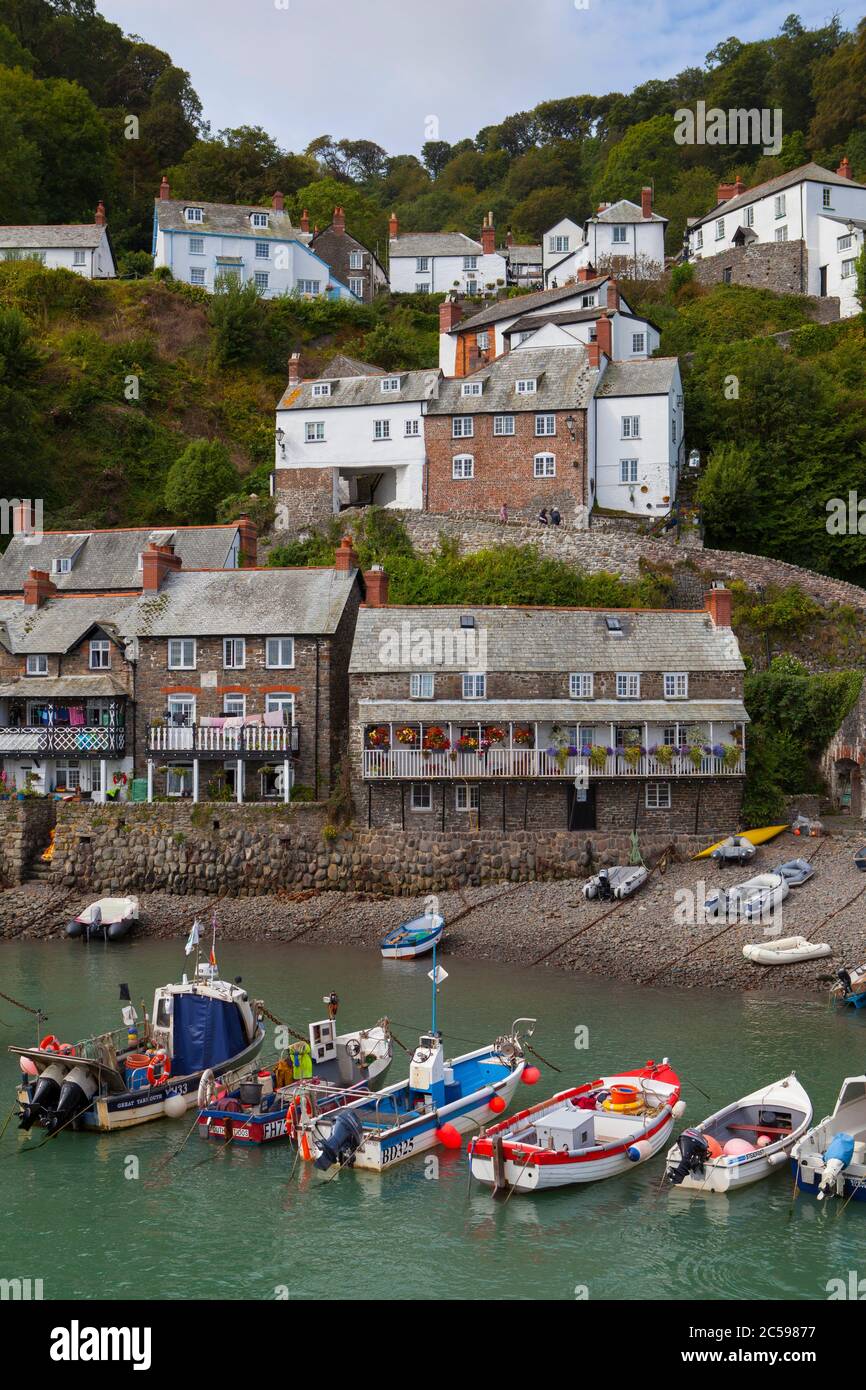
(25, 829)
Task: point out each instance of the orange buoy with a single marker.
(449, 1137)
(531, 1075)
(497, 1104)
(624, 1095)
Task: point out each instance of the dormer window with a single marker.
(526, 386)
(62, 564)
(193, 214)
(389, 385)
(259, 219)
(322, 388)
(37, 665)
(471, 388)
(614, 626)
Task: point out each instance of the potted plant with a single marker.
(467, 743)
(407, 736)
(522, 736)
(379, 737)
(632, 754)
(696, 754)
(731, 755)
(598, 757)
(494, 734)
(664, 754)
(436, 739)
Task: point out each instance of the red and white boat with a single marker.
(591, 1132)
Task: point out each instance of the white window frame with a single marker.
(321, 388)
(826, 198)
(849, 268)
(630, 427)
(720, 229)
(627, 685)
(658, 796)
(263, 250)
(844, 243)
(259, 219)
(421, 685)
(699, 239)
(619, 234)
(178, 647)
(628, 472)
(482, 340)
(558, 244)
(279, 664)
(526, 386)
(356, 260)
(474, 685)
(390, 385)
(781, 233)
(234, 654)
(545, 426)
(261, 278)
(314, 432)
(197, 275)
(196, 246)
(503, 426)
(421, 287)
(779, 206)
(676, 685)
(281, 700)
(36, 664)
(470, 262)
(750, 215)
(193, 214)
(580, 685)
(421, 796)
(175, 785)
(467, 796)
(356, 285)
(61, 564)
(544, 466)
(311, 287)
(381, 429)
(462, 427)
(67, 773)
(234, 705)
(638, 342)
(462, 467)
(412, 429)
(422, 265)
(99, 647)
(471, 388)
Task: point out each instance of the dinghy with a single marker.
(736, 849)
(742, 1143)
(109, 919)
(414, 938)
(795, 872)
(788, 950)
(754, 837)
(850, 988)
(830, 1160)
(591, 1132)
(860, 859)
(619, 882)
(751, 901)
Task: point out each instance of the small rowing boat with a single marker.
(594, 1131)
(795, 872)
(754, 837)
(788, 950)
(619, 882)
(830, 1160)
(414, 938)
(742, 1143)
(751, 901)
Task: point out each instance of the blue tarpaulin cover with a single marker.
(206, 1032)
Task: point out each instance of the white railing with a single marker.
(50, 739)
(251, 739)
(534, 762)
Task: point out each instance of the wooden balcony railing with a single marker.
(417, 765)
(87, 741)
(250, 741)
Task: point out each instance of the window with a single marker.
(471, 388)
(614, 626)
(421, 685)
(638, 342)
(412, 429)
(181, 654)
(587, 301)
(545, 424)
(462, 427)
(389, 384)
(463, 466)
(658, 796)
(196, 275)
(100, 654)
(37, 665)
(720, 229)
(309, 286)
(474, 686)
(196, 246)
(580, 685)
(194, 215)
(779, 205)
(263, 251)
(356, 260)
(503, 424)
(422, 796)
(280, 652)
(619, 234)
(826, 198)
(79, 258)
(544, 466)
(421, 288)
(178, 779)
(628, 470)
(482, 341)
(322, 388)
(261, 280)
(676, 685)
(181, 711)
(559, 244)
(68, 775)
(627, 685)
(470, 262)
(234, 706)
(314, 431)
(749, 215)
(630, 427)
(356, 286)
(526, 386)
(471, 287)
(844, 243)
(699, 239)
(61, 565)
(234, 653)
(259, 219)
(422, 265)
(279, 700)
(467, 797)
(781, 233)
(381, 429)
(849, 268)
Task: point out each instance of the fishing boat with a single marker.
(414, 938)
(754, 837)
(830, 1160)
(594, 1131)
(742, 1143)
(850, 987)
(860, 859)
(757, 898)
(788, 950)
(125, 1077)
(264, 1105)
(619, 882)
(108, 919)
(795, 872)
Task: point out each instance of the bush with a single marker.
(198, 480)
(235, 314)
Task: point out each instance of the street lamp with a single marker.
(281, 438)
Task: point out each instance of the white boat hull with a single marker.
(728, 1172)
(788, 950)
(540, 1177)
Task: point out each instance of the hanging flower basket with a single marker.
(731, 755)
(523, 737)
(467, 744)
(664, 754)
(632, 754)
(493, 734)
(696, 754)
(407, 736)
(436, 739)
(597, 757)
(379, 738)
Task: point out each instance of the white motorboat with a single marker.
(830, 1160)
(619, 882)
(414, 938)
(788, 950)
(108, 919)
(742, 1143)
(754, 900)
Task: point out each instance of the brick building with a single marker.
(353, 263)
(522, 718)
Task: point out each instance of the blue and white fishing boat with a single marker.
(414, 938)
(850, 988)
(830, 1160)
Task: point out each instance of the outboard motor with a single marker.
(341, 1144)
(847, 982)
(605, 892)
(836, 1157)
(76, 1093)
(43, 1101)
(694, 1150)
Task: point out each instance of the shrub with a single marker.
(198, 480)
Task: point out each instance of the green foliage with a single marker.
(236, 315)
(198, 480)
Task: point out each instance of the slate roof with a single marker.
(58, 624)
(228, 219)
(558, 711)
(624, 211)
(362, 390)
(341, 365)
(87, 235)
(565, 382)
(242, 603)
(63, 687)
(522, 255)
(651, 376)
(555, 639)
(807, 173)
(531, 321)
(434, 244)
(835, 217)
(109, 559)
(526, 303)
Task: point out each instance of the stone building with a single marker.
(351, 262)
(524, 718)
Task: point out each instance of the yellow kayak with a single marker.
(755, 837)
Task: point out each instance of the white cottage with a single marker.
(638, 435)
(442, 262)
(623, 237)
(82, 248)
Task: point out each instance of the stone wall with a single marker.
(781, 266)
(303, 497)
(25, 829)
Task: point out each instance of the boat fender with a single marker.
(49, 1044)
(639, 1152)
(777, 1158)
(679, 1110)
(206, 1089)
(175, 1106)
(836, 1157)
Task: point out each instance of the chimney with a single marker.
(612, 296)
(730, 190)
(345, 558)
(509, 239)
(294, 369)
(739, 186)
(603, 335)
(37, 588)
(339, 222)
(393, 226)
(593, 355)
(450, 314)
(23, 522)
(100, 218)
(376, 587)
(719, 604)
(603, 207)
(646, 202)
(488, 236)
(164, 192)
(156, 562)
(586, 272)
(249, 541)
(278, 202)
(305, 221)
(844, 170)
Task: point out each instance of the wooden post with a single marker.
(402, 806)
(149, 780)
(500, 1182)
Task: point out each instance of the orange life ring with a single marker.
(49, 1044)
(161, 1057)
(624, 1095)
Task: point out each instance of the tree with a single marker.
(364, 218)
(839, 89)
(198, 480)
(435, 154)
(57, 120)
(646, 155)
(235, 314)
(538, 211)
(239, 165)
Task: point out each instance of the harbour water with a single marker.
(106, 1217)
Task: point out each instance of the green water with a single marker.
(234, 1226)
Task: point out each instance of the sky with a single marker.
(404, 71)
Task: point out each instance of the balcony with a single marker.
(415, 764)
(50, 741)
(203, 741)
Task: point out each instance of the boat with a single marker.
(850, 987)
(414, 938)
(795, 872)
(788, 950)
(441, 1100)
(757, 898)
(860, 859)
(108, 919)
(619, 882)
(263, 1106)
(830, 1160)
(122, 1078)
(742, 1143)
(593, 1131)
(736, 849)
(754, 838)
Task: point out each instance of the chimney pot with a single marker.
(345, 559)
(164, 191)
(488, 236)
(719, 604)
(305, 221)
(294, 369)
(100, 218)
(339, 222)
(586, 272)
(38, 587)
(844, 170)
(278, 202)
(376, 587)
(393, 226)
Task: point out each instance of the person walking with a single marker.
(555, 517)
(542, 517)
(503, 514)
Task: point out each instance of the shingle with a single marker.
(624, 211)
(38, 238)
(362, 390)
(341, 365)
(652, 376)
(229, 219)
(242, 603)
(57, 624)
(434, 244)
(527, 303)
(109, 559)
(565, 382)
(807, 173)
